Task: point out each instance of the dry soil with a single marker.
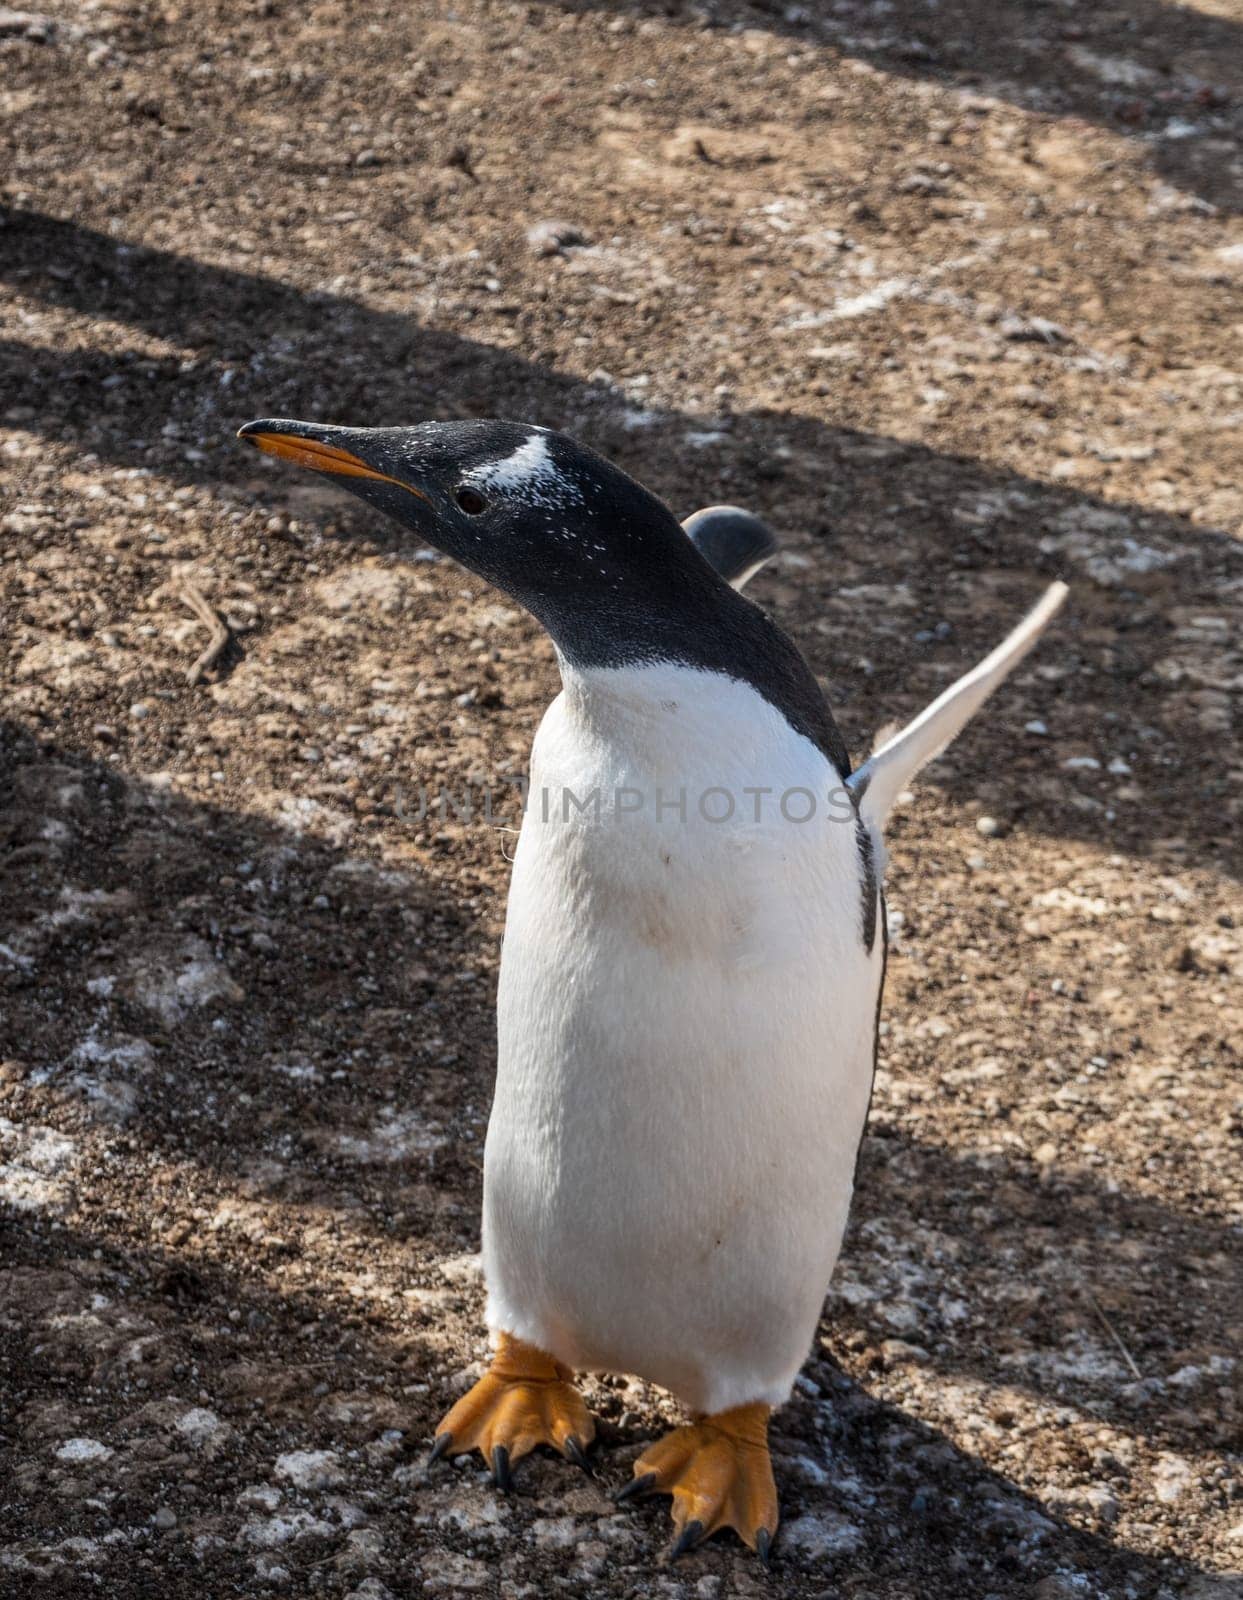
(953, 295)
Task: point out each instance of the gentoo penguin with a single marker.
(692, 964)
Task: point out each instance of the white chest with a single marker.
(685, 1017)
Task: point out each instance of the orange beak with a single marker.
(323, 458)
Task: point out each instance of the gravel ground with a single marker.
(952, 294)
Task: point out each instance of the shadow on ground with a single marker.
(965, 543)
(287, 1015)
(1170, 75)
(199, 1377)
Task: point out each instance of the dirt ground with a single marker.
(951, 293)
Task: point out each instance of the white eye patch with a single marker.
(529, 475)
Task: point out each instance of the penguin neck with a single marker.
(711, 632)
(649, 610)
(668, 725)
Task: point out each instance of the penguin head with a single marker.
(602, 563)
(544, 518)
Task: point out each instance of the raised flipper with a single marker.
(883, 776)
(732, 541)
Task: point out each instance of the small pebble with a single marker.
(988, 826)
(166, 1518)
(896, 1351)
(139, 710)
(552, 237)
(83, 1450)
(1032, 330)
(32, 25)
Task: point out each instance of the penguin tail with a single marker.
(883, 776)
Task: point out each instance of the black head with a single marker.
(541, 516)
(600, 561)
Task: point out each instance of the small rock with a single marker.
(1096, 1500)
(896, 1351)
(554, 236)
(165, 1518)
(920, 183)
(988, 826)
(309, 1469)
(591, 1561)
(370, 1589)
(1171, 1478)
(559, 1533)
(1101, 1501)
(26, 24)
(817, 1536)
(267, 1533)
(364, 1547)
(264, 1496)
(1032, 330)
(83, 1450)
(139, 710)
(1036, 726)
(464, 1269)
(480, 1518)
(198, 1424)
(446, 1570)
(173, 980)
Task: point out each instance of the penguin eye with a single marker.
(471, 501)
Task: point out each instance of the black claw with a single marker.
(636, 1487)
(689, 1537)
(441, 1445)
(502, 1477)
(764, 1548)
(574, 1452)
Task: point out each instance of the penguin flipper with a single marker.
(524, 1399)
(732, 541)
(720, 1475)
(879, 781)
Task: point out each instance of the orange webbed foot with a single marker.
(720, 1475)
(524, 1399)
